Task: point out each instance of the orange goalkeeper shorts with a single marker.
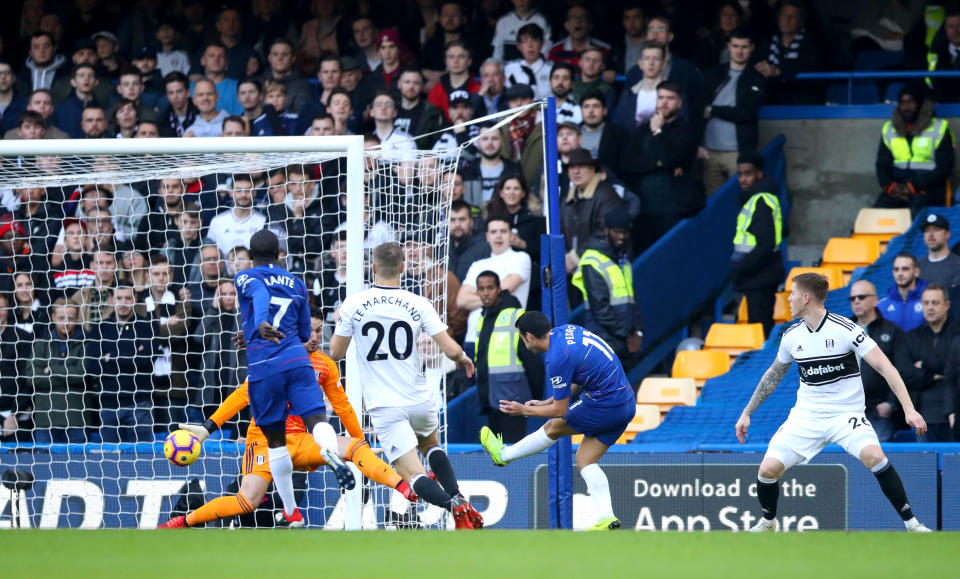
(304, 452)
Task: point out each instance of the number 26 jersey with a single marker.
(385, 323)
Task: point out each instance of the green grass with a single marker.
(507, 554)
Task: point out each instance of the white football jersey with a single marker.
(385, 323)
(827, 359)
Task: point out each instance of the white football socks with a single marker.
(281, 467)
(325, 436)
(533, 443)
(599, 489)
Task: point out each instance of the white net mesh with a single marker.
(118, 313)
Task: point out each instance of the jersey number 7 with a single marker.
(283, 304)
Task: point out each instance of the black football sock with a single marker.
(431, 491)
(892, 486)
(768, 493)
(441, 467)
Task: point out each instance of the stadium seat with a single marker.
(700, 365)
(862, 93)
(647, 418)
(666, 393)
(848, 254)
(891, 97)
(734, 339)
(833, 273)
(881, 224)
(781, 308)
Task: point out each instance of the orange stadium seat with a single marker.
(666, 393)
(833, 273)
(734, 339)
(700, 365)
(881, 225)
(849, 253)
(647, 418)
(781, 308)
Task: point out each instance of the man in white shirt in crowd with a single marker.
(234, 227)
(512, 266)
(396, 144)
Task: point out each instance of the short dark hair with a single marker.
(907, 255)
(937, 287)
(265, 246)
(457, 44)
(672, 86)
(129, 70)
(495, 218)
(460, 205)
(40, 33)
(250, 80)
(80, 67)
(412, 68)
(740, 31)
(371, 137)
(488, 273)
(653, 44)
(281, 40)
(176, 76)
(31, 117)
(157, 258)
(815, 284)
(234, 119)
(316, 312)
(752, 158)
(241, 176)
(533, 31)
(593, 94)
(534, 323)
(563, 66)
(340, 90)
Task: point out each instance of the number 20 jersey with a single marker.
(385, 324)
(827, 359)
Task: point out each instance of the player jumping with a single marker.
(577, 361)
(303, 449)
(830, 400)
(385, 322)
(276, 322)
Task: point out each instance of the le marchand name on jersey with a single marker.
(820, 371)
(396, 300)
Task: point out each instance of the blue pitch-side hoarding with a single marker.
(651, 491)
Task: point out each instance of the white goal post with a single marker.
(131, 160)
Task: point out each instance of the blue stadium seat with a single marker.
(893, 92)
(877, 60)
(864, 93)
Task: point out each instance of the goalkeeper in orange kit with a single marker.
(303, 449)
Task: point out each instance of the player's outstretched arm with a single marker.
(879, 361)
(452, 350)
(550, 408)
(230, 407)
(771, 379)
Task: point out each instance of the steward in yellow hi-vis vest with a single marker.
(916, 153)
(756, 260)
(506, 369)
(605, 279)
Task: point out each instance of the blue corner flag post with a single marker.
(554, 282)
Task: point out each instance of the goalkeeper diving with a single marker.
(304, 450)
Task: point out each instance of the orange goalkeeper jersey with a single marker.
(328, 377)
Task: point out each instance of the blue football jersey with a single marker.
(577, 356)
(269, 293)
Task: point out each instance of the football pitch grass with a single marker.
(489, 554)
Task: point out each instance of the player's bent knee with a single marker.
(871, 455)
(254, 488)
(771, 468)
(556, 428)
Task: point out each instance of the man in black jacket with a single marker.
(729, 123)
(604, 140)
(119, 352)
(466, 246)
(881, 404)
(658, 165)
(506, 369)
(757, 261)
(929, 347)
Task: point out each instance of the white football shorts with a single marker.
(399, 427)
(806, 433)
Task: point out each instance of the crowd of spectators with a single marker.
(117, 299)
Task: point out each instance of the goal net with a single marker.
(117, 309)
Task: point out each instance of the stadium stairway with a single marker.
(722, 399)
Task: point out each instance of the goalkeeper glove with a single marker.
(201, 431)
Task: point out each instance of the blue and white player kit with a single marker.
(277, 373)
(607, 403)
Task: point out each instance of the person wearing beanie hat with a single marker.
(916, 153)
(605, 279)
